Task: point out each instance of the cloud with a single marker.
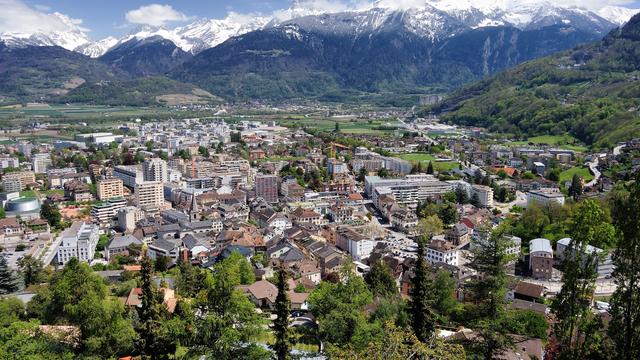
(17, 17)
(155, 15)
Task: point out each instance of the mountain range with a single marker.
(304, 52)
(591, 92)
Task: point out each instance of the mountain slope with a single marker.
(592, 92)
(379, 52)
(32, 73)
(151, 56)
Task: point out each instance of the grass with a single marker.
(425, 158)
(28, 194)
(269, 339)
(581, 171)
(561, 141)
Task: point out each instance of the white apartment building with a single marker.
(149, 194)
(78, 241)
(128, 217)
(545, 196)
(130, 175)
(105, 212)
(155, 169)
(9, 162)
(442, 251)
(40, 163)
(409, 190)
(485, 194)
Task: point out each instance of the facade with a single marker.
(9, 162)
(540, 259)
(149, 194)
(128, 217)
(130, 175)
(105, 212)
(485, 194)
(40, 163)
(410, 190)
(110, 188)
(604, 264)
(155, 169)
(545, 196)
(77, 241)
(17, 181)
(397, 166)
(442, 251)
(267, 187)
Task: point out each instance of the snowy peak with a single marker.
(98, 48)
(68, 34)
(616, 14)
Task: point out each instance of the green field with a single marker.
(28, 194)
(561, 141)
(583, 172)
(425, 158)
(346, 126)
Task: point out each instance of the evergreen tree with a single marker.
(336, 127)
(361, 174)
(8, 280)
(462, 197)
(153, 343)
(282, 345)
(490, 259)
(430, 168)
(420, 305)
(590, 226)
(475, 200)
(624, 327)
(575, 190)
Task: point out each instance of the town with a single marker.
(201, 204)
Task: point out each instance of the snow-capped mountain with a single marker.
(435, 19)
(72, 38)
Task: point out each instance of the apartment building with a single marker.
(149, 194)
(130, 175)
(40, 163)
(267, 187)
(78, 241)
(110, 188)
(155, 169)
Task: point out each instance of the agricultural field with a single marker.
(345, 125)
(561, 141)
(582, 171)
(425, 158)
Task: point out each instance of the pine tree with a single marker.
(153, 342)
(31, 269)
(8, 280)
(282, 345)
(590, 226)
(490, 260)
(624, 327)
(475, 200)
(430, 168)
(575, 190)
(422, 315)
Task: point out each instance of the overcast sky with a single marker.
(100, 18)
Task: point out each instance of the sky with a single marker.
(102, 18)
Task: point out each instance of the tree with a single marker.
(361, 174)
(443, 289)
(190, 280)
(153, 342)
(421, 304)
(336, 128)
(462, 196)
(624, 327)
(25, 340)
(282, 345)
(383, 173)
(381, 281)
(429, 227)
(149, 145)
(51, 213)
(430, 168)
(448, 213)
(590, 226)
(202, 150)
(475, 200)
(3, 213)
(490, 259)
(77, 296)
(8, 280)
(32, 270)
(575, 190)
(162, 263)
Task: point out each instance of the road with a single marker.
(618, 149)
(521, 200)
(593, 167)
(604, 287)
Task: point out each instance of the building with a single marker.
(105, 212)
(100, 139)
(149, 194)
(128, 217)
(78, 191)
(604, 264)
(545, 196)
(359, 246)
(335, 166)
(9, 162)
(405, 220)
(26, 208)
(540, 259)
(119, 245)
(40, 163)
(410, 190)
(267, 187)
(397, 166)
(301, 215)
(485, 195)
(18, 181)
(155, 169)
(78, 241)
(110, 188)
(441, 251)
(130, 175)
